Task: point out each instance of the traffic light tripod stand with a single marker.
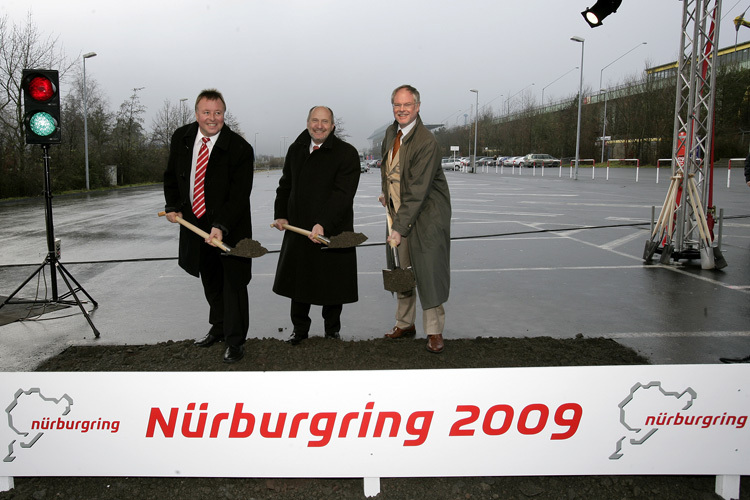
(54, 263)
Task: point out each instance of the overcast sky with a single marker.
(274, 59)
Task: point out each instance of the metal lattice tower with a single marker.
(686, 234)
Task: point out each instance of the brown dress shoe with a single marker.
(435, 343)
(397, 333)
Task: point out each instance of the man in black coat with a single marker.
(316, 192)
(207, 182)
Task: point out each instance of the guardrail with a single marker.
(637, 165)
(729, 167)
(580, 160)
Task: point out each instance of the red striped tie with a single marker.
(199, 202)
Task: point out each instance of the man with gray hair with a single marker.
(415, 193)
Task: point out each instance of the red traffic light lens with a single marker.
(41, 89)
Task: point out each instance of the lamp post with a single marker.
(283, 148)
(182, 110)
(476, 128)
(85, 118)
(507, 101)
(580, 102)
(255, 144)
(556, 79)
(601, 73)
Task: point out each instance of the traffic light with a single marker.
(41, 102)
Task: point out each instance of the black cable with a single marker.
(457, 238)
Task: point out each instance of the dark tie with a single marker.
(396, 144)
(199, 202)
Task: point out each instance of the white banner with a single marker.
(681, 419)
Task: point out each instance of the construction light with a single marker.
(601, 9)
(41, 101)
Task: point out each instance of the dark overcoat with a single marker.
(424, 216)
(228, 183)
(317, 188)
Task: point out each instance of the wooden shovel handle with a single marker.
(199, 232)
(305, 232)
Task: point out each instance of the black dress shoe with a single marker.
(209, 340)
(333, 335)
(234, 353)
(296, 338)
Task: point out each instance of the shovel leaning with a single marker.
(397, 280)
(245, 248)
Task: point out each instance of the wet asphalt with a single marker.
(536, 254)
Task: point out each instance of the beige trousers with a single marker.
(433, 319)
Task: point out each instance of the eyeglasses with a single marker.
(406, 105)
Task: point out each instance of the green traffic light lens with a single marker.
(42, 124)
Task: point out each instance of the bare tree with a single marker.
(168, 119)
(23, 47)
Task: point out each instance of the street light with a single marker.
(580, 102)
(550, 83)
(85, 118)
(255, 146)
(476, 126)
(507, 101)
(601, 73)
(182, 111)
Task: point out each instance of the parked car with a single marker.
(517, 161)
(539, 160)
(449, 163)
(508, 161)
(364, 167)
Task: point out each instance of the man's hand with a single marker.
(395, 237)
(172, 216)
(381, 199)
(215, 233)
(317, 230)
(748, 183)
(279, 224)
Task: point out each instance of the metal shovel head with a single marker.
(248, 249)
(399, 280)
(666, 254)
(649, 250)
(707, 258)
(719, 260)
(347, 239)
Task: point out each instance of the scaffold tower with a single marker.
(684, 228)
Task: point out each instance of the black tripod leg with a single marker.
(78, 285)
(8, 299)
(65, 276)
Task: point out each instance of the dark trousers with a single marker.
(226, 292)
(300, 313)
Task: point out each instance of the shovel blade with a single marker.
(719, 260)
(649, 250)
(398, 280)
(707, 258)
(666, 254)
(248, 249)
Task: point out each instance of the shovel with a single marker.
(246, 248)
(397, 280)
(346, 239)
(708, 258)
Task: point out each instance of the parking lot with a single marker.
(535, 254)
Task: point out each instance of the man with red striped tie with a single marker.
(207, 182)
